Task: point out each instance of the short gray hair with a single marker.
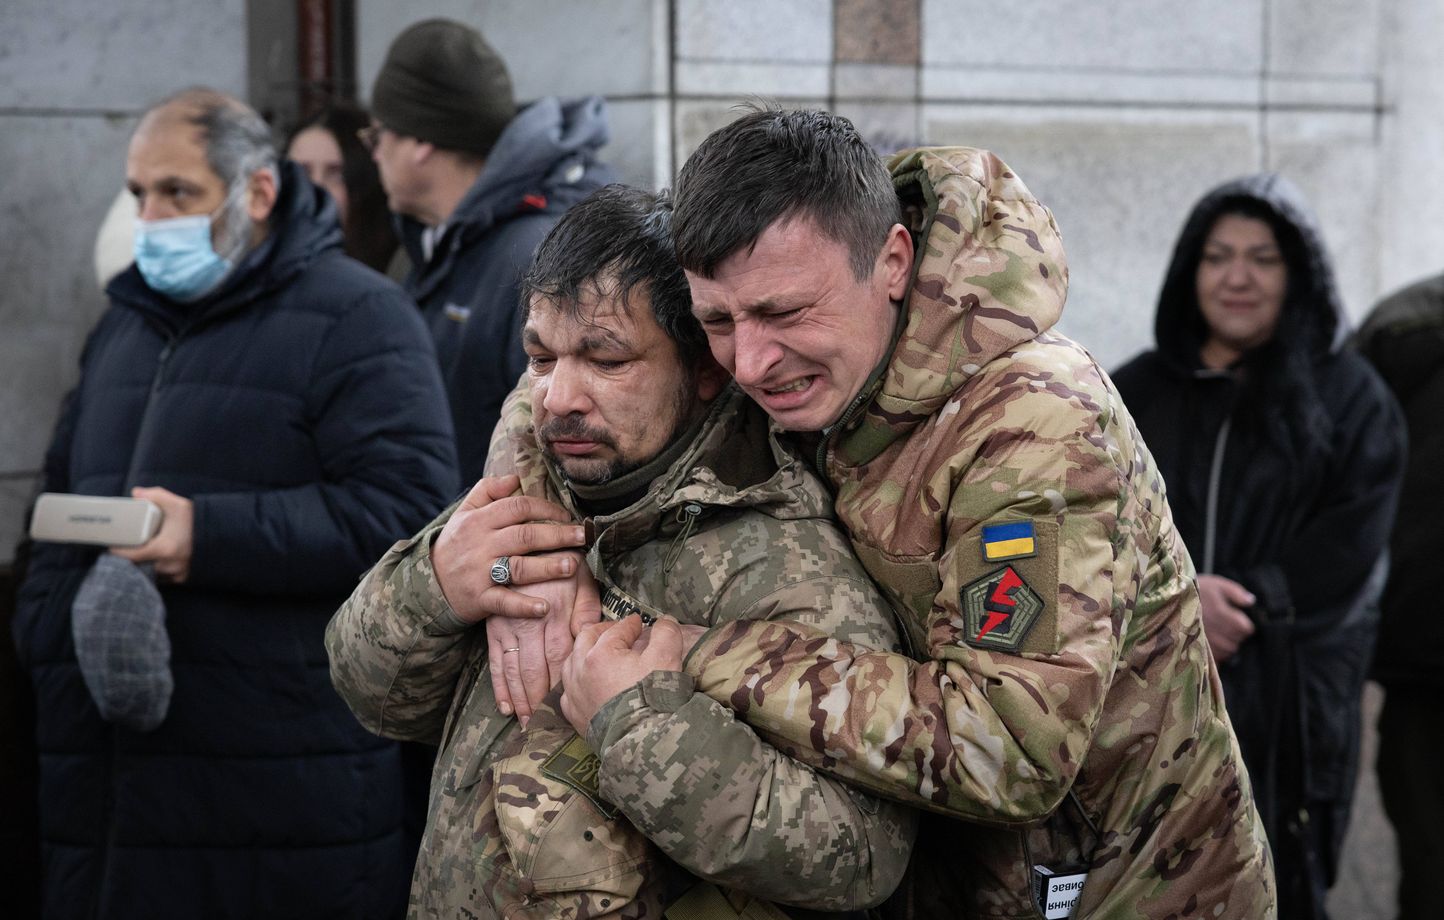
(238, 141)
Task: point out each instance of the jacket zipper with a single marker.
(103, 901)
(1210, 514)
(829, 433)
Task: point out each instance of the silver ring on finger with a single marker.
(501, 571)
(514, 648)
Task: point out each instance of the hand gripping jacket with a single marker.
(532, 824)
(1064, 703)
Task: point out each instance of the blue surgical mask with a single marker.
(176, 258)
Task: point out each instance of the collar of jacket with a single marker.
(989, 275)
(303, 227)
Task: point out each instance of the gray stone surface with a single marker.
(991, 83)
(1119, 184)
(754, 30)
(1333, 157)
(887, 126)
(1369, 866)
(15, 496)
(875, 81)
(788, 80)
(38, 370)
(1336, 37)
(74, 54)
(1359, 93)
(641, 146)
(566, 47)
(1411, 195)
(1141, 36)
(63, 174)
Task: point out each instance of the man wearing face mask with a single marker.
(282, 406)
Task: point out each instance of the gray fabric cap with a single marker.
(118, 623)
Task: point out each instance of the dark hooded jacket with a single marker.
(543, 163)
(300, 409)
(1282, 473)
(1404, 339)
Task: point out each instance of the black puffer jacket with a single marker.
(543, 163)
(301, 410)
(1404, 339)
(1304, 447)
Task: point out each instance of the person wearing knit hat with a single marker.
(443, 84)
(475, 182)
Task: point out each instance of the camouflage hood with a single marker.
(989, 274)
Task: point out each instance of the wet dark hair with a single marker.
(370, 237)
(771, 165)
(620, 237)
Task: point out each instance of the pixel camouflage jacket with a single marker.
(1065, 703)
(737, 528)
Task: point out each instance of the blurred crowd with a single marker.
(754, 549)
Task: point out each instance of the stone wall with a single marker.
(1118, 121)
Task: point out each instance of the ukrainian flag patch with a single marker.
(1013, 540)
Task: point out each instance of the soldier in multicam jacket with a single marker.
(1063, 700)
(716, 522)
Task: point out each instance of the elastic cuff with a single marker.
(446, 622)
(660, 691)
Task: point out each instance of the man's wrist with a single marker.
(446, 621)
(660, 691)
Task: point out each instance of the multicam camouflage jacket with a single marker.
(1064, 701)
(530, 823)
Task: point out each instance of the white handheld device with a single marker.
(101, 520)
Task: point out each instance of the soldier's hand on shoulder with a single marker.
(494, 522)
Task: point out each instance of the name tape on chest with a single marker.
(1057, 893)
(618, 605)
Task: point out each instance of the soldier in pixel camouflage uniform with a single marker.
(1062, 699)
(695, 511)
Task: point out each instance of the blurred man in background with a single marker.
(477, 183)
(280, 404)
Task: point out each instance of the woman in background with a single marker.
(327, 147)
(1282, 456)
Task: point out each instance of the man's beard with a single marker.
(571, 427)
(234, 225)
(597, 472)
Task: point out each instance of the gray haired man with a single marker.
(281, 403)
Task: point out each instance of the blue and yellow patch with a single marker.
(1013, 540)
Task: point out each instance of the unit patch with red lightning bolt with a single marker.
(998, 610)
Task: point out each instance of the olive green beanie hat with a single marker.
(443, 84)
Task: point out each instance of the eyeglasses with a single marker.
(370, 136)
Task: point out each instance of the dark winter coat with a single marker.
(300, 409)
(543, 163)
(1304, 447)
(1404, 340)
